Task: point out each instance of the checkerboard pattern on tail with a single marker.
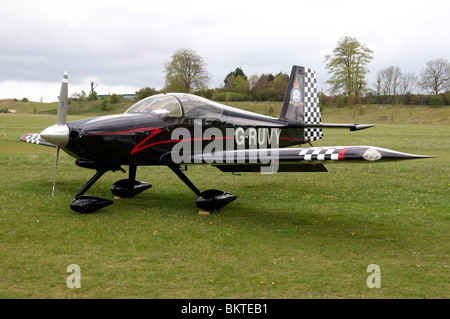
(311, 107)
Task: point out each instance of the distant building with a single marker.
(128, 96)
(125, 96)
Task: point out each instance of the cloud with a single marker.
(49, 91)
(124, 44)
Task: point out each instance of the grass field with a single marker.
(289, 235)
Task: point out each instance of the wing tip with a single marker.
(35, 138)
(358, 127)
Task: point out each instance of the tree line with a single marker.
(186, 72)
(392, 86)
(347, 66)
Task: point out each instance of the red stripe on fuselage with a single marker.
(341, 153)
(156, 130)
(139, 147)
(292, 138)
(128, 131)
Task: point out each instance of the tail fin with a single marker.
(301, 102)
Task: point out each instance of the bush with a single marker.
(114, 98)
(446, 97)
(206, 93)
(144, 92)
(436, 100)
(340, 100)
(105, 104)
(324, 100)
(351, 99)
(231, 96)
(93, 96)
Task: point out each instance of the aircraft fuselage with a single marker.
(145, 139)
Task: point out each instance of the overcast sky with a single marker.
(122, 45)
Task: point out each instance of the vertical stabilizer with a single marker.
(301, 102)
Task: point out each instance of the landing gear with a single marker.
(88, 204)
(214, 199)
(210, 199)
(130, 187)
(122, 188)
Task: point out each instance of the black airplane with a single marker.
(177, 129)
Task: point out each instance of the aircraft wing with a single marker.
(309, 159)
(35, 139)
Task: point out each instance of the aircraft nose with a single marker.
(56, 134)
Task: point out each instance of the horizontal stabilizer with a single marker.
(351, 127)
(35, 139)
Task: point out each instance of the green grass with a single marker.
(288, 235)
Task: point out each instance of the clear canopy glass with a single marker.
(178, 104)
(159, 105)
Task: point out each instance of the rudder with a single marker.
(301, 101)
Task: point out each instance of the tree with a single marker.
(241, 84)
(436, 76)
(262, 84)
(252, 81)
(144, 92)
(408, 83)
(388, 80)
(80, 97)
(261, 88)
(93, 87)
(235, 73)
(396, 79)
(348, 66)
(92, 93)
(186, 72)
(280, 84)
(377, 83)
(238, 84)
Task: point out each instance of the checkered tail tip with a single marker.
(311, 106)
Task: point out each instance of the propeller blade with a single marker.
(56, 166)
(59, 133)
(63, 100)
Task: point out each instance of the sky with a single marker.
(122, 45)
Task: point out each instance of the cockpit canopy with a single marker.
(177, 105)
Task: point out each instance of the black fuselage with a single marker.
(147, 139)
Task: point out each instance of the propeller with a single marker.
(58, 134)
(56, 166)
(63, 101)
